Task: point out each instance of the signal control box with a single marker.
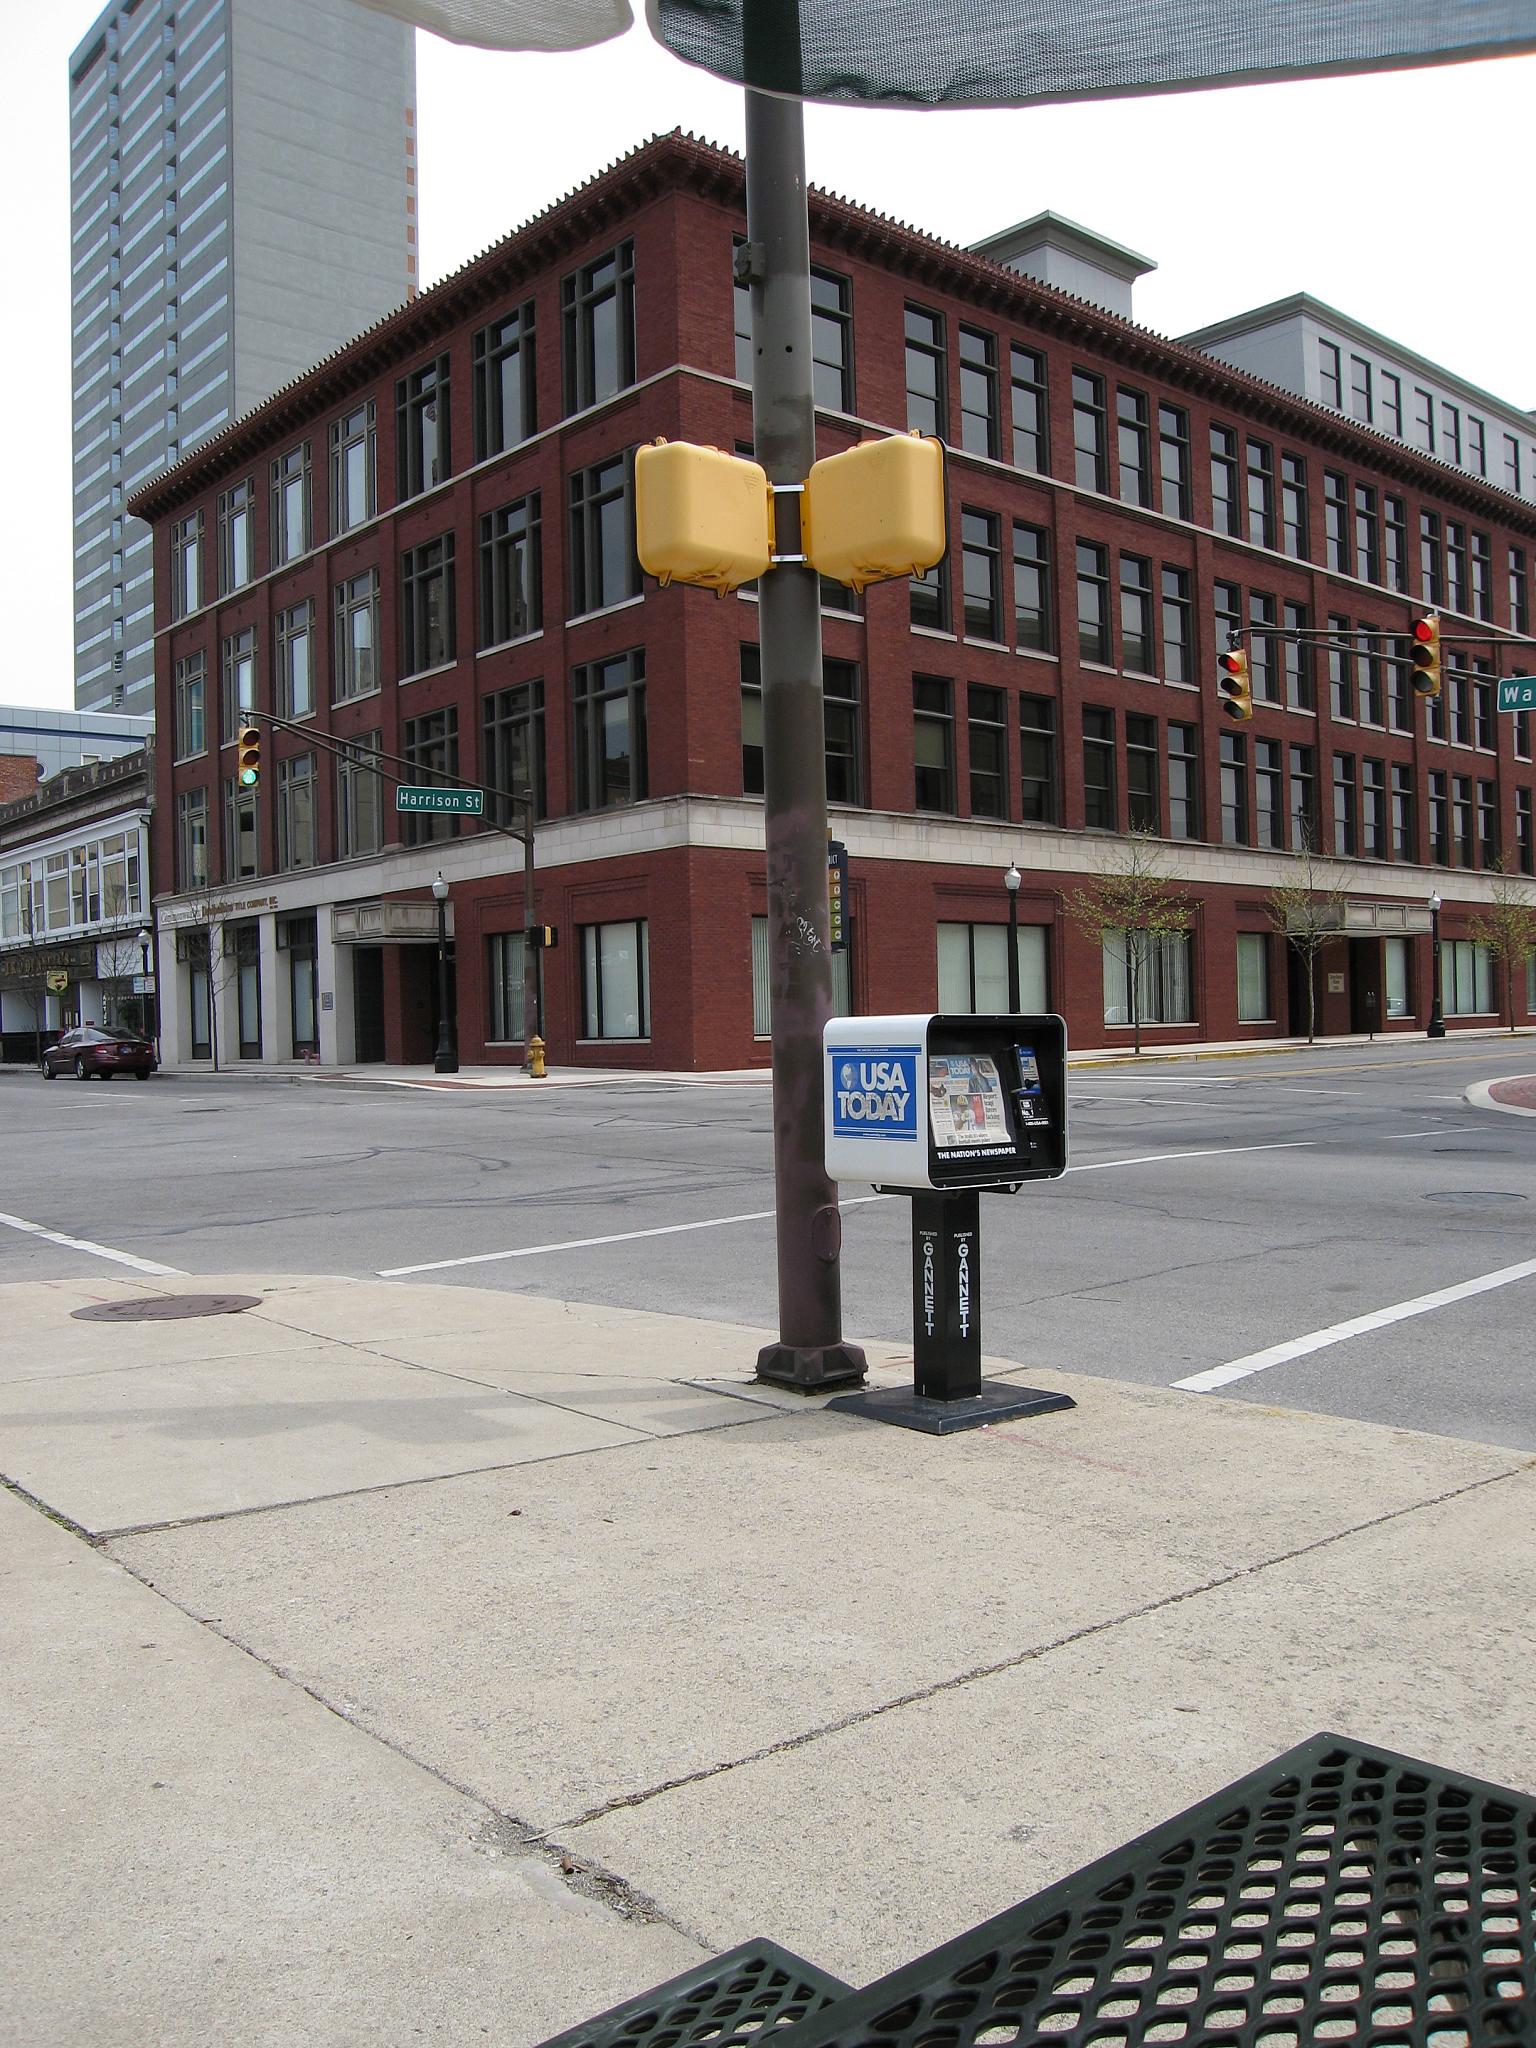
(938, 1103)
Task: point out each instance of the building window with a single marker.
(1511, 464)
(354, 485)
(762, 981)
(933, 743)
(604, 570)
(1226, 511)
(1466, 979)
(751, 721)
(1488, 824)
(1173, 460)
(615, 980)
(1367, 535)
(1303, 799)
(1519, 599)
(978, 392)
(1143, 809)
(981, 575)
(1525, 838)
(597, 305)
(1093, 635)
(431, 745)
(1134, 436)
(832, 340)
(186, 565)
(293, 652)
(610, 732)
(506, 960)
(1424, 418)
(191, 841)
(241, 826)
(1031, 426)
(1344, 842)
(1261, 648)
(1461, 821)
(927, 372)
(1485, 717)
(1090, 454)
(510, 572)
(359, 798)
(1298, 658)
(1341, 674)
(1162, 978)
(1268, 797)
(1439, 818)
(1178, 645)
(1330, 379)
(1482, 576)
(237, 682)
(973, 969)
(1261, 494)
(1396, 529)
(512, 750)
(356, 651)
(1457, 573)
(1402, 812)
(296, 812)
(236, 535)
(291, 524)
(1037, 761)
(504, 386)
(741, 308)
(1391, 388)
(1360, 389)
(426, 595)
(1100, 809)
(1431, 564)
(1183, 783)
(1450, 420)
(421, 417)
(840, 721)
(987, 744)
(1136, 641)
(1234, 789)
(1293, 507)
(191, 691)
(1395, 964)
(1336, 521)
(1032, 604)
(930, 597)
(1253, 1001)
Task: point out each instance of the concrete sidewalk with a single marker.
(391, 1663)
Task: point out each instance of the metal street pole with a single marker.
(533, 1006)
(810, 1353)
(1436, 1008)
(447, 1060)
(1011, 881)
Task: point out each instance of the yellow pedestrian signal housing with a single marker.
(248, 757)
(1235, 683)
(540, 936)
(701, 516)
(1426, 655)
(876, 511)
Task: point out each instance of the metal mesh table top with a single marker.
(1340, 1893)
(727, 2003)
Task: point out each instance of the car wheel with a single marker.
(79, 1066)
(48, 1073)
(141, 1073)
(104, 1074)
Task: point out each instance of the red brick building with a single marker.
(424, 547)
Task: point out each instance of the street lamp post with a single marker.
(1011, 881)
(447, 1060)
(144, 942)
(1436, 1011)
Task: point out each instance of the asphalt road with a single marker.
(1214, 1211)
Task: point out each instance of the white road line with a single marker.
(97, 1251)
(1215, 1152)
(1358, 1326)
(579, 1244)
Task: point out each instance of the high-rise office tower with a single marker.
(243, 201)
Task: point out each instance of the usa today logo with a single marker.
(874, 1092)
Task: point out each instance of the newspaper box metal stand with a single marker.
(940, 1108)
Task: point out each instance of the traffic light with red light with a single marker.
(248, 757)
(1426, 655)
(1235, 683)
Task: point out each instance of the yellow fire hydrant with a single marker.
(536, 1058)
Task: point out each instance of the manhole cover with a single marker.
(1473, 1195)
(167, 1308)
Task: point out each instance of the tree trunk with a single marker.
(213, 1007)
(1132, 967)
(1311, 998)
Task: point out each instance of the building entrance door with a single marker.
(368, 1002)
(1367, 996)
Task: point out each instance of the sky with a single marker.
(1403, 198)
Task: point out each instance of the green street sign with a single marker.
(1517, 693)
(469, 803)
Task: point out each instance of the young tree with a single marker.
(1507, 927)
(1308, 911)
(1131, 906)
(203, 930)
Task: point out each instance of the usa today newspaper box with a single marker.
(939, 1108)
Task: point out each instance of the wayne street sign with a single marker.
(1517, 693)
(470, 803)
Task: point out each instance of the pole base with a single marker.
(998, 1401)
(1435, 1031)
(445, 1063)
(812, 1368)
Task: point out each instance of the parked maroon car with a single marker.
(90, 1050)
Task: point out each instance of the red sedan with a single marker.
(90, 1050)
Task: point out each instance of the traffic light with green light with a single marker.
(248, 757)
